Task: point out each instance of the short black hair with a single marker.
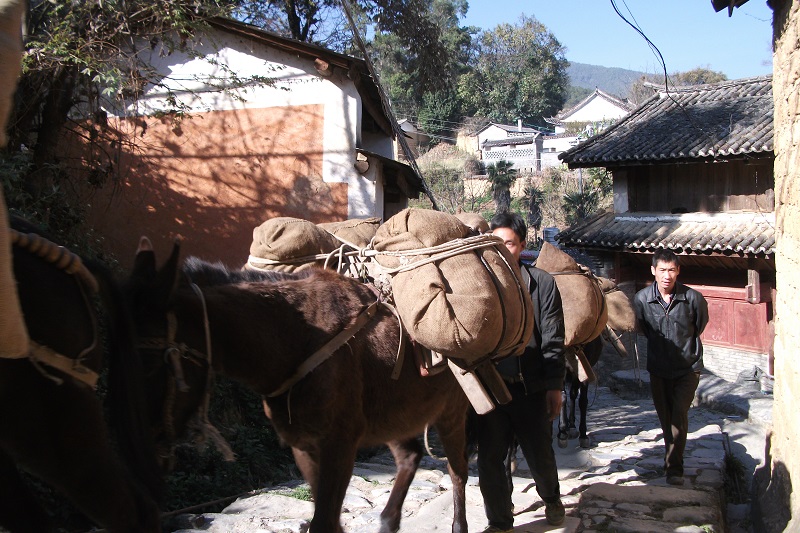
(512, 221)
(665, 256)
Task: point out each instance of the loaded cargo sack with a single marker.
(458, 293)
(585, 309)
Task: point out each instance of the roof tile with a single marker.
(741, 233)
(731, 118)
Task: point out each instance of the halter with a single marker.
(174, 354)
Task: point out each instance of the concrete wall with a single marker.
(784, 475)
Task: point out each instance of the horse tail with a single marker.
(125, 397)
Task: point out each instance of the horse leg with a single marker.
(309, 468)
(563, 418)
(407, 455)
(574, 390)
(584, 406)
(337, 456)
(454, 441)
(20, 512)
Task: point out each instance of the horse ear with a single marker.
(144, 264)
(168, 275)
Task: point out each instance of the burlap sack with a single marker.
(585, 311)
(475, 221)
(291, 243)
(621, 316)
(357, 232)
(468, 306)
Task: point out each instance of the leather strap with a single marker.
(73, 367)
(328, 349)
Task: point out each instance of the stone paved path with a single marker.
(615, 485)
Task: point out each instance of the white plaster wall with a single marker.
(598, 109)
(198, 81)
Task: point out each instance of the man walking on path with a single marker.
(535, 380)
(672, 316)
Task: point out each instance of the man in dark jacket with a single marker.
(672, 316)
(535, 380)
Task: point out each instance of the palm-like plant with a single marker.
(502, 176)
(580, 204)
(534, 198)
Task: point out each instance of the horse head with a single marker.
(176, 359)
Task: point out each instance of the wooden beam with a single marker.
(324, 68)
(753, 286)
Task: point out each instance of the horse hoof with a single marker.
(585, 443)
(562, 443)
(573, 433)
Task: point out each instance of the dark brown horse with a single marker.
(52, 424)
(260, 328)
(576, 393)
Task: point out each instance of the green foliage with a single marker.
(533, 199)
(415, 90)
(300, 492)
(520, 73)
(502, 176)
(54, 209)
(575, 95)
(613, 80)
(579, 205)
(698, 76)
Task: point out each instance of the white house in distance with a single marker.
(588, 117)
(531, 150)
(518, 144)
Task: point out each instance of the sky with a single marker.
(689, 33)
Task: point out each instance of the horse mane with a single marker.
(209, 274)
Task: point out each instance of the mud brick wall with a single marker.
(785, 465)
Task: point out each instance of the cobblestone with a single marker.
(617, 484)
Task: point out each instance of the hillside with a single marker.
(613, 80)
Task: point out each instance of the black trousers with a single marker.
(672, 399)
(526, 418)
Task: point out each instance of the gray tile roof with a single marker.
(702, 122)
(739, 233)
(510, 141)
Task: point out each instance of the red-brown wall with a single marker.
(214, 177)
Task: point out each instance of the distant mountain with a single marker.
(613, 80)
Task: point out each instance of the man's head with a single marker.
(665, 268)
(511, 228)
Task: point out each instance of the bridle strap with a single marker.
(75, 368)
(328, 349)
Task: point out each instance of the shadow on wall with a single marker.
(772, 486)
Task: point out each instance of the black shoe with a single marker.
(495, 529)
(554, 512)
(675, 480)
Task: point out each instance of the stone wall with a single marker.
(782, 481)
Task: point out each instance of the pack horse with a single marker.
(277, 334)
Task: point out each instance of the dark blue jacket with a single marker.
(673, 336)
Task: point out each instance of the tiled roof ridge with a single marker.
(753, 135)
(717, 85)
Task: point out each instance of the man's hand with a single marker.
(553, 404)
